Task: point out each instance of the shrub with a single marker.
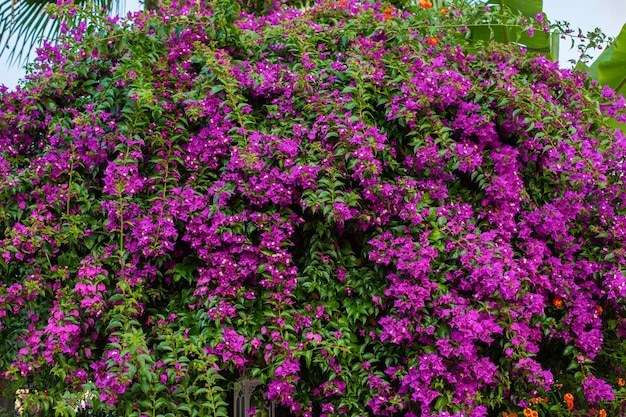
(344, 202)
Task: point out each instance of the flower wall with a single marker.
(347, 202)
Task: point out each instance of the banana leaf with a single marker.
(505, 32)
(610, 67)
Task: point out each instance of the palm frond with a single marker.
(25, 23)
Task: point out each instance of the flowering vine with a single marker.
(359, 210)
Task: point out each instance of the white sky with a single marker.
(609, 15)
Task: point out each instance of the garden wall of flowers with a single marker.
(349, 203)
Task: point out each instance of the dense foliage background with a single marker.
(350, 203)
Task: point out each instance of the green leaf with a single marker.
(144, 386)
(441, 402)
(540, 42)
(610, 67)
(528, 8)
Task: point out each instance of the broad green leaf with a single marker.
(611, 64)
(540, 42)
(528, 8)
(554, 46)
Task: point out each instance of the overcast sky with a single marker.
(609, 15)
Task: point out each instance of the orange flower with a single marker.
(388, 11)
(534, 413)
(602, 413)
(557, 302)
(425, 4)
(568, 397)
(444, 10)
(621, 382)
(432, 41)
(528, 412)
(513, 415)
(599, 309)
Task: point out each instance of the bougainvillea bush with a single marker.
(342, 202)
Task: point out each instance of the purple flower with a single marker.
(597, 390)
(280, 391)
(288, 367)
(396, 331)
(234, 341)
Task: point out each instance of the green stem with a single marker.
(504, 27)
(69, 196)
(69, 185)
(620, 85)
(164, 190)
(121, 250)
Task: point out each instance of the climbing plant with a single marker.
(351, 203)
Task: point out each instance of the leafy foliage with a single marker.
(608, 69)
(344, 202)
(23, 24)
(504, 27)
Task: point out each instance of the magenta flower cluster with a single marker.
(369, 222)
